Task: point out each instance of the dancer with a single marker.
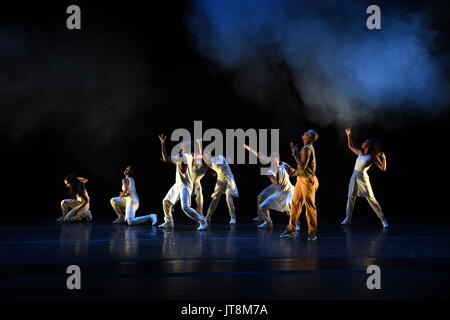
(127, 203)
(277, 196)
(225, 184)
(305, 188)
(359, 182)
(198, 172)
(76, 208)
(182, 189)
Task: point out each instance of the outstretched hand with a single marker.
(348, 131)
(162, 138)
(294, 147)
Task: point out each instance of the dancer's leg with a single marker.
(119, 204)
(310, 187)
(349, 212)
(199, 198)
(296, 206)
(168, 210)
(231, 208)
(377, 208)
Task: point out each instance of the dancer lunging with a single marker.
(225, 185)
(359, 182)
(305, 188)
(277, 196)
(127, 203)
(76, 208)
(182, 189)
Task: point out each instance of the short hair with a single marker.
(131, 170)
(314, 135)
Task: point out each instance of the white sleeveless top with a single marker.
(220, 165)
(363, 162)
(131, 192)
(183, 179)
(284, 183)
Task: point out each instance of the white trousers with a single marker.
(228, 187)
(69, 208)
(185, 200)
(372, 202)
(125, 208)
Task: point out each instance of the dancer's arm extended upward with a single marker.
(302, 159)
(350, 142)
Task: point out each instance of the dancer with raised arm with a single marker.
(182, 189)
(305, 188)
(277, 196)
(127, 203)
(77, 208)
(225, 185)
(359, 182)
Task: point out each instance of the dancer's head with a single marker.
(74, 184)
(370, 146)
(185, 147)
(309, 137)
(129, 171)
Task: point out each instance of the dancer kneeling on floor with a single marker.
(127, 203)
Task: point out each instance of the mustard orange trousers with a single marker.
(304, 195)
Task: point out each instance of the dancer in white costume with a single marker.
(198, 172)
(77, 208)
(359, 182)
(127, 203)
(225, 184)
(277, 196)
(182, 189)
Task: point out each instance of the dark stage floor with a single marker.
(223, 262)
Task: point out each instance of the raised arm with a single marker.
(302, 157)
(260, 155)
(198, 156)
(380, 161)
(165, 156)
(350, 142)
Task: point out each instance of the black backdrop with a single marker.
(50, 126)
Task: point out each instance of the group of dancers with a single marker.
(280, 195)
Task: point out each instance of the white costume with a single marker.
(126, 206)
(277, 196)
(360, 186)
(70, 206)
(181, 190)
(198, 172)
(225, 185)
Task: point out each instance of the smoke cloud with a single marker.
(340, 70)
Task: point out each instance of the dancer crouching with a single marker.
(77, 208)
(277, 196)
